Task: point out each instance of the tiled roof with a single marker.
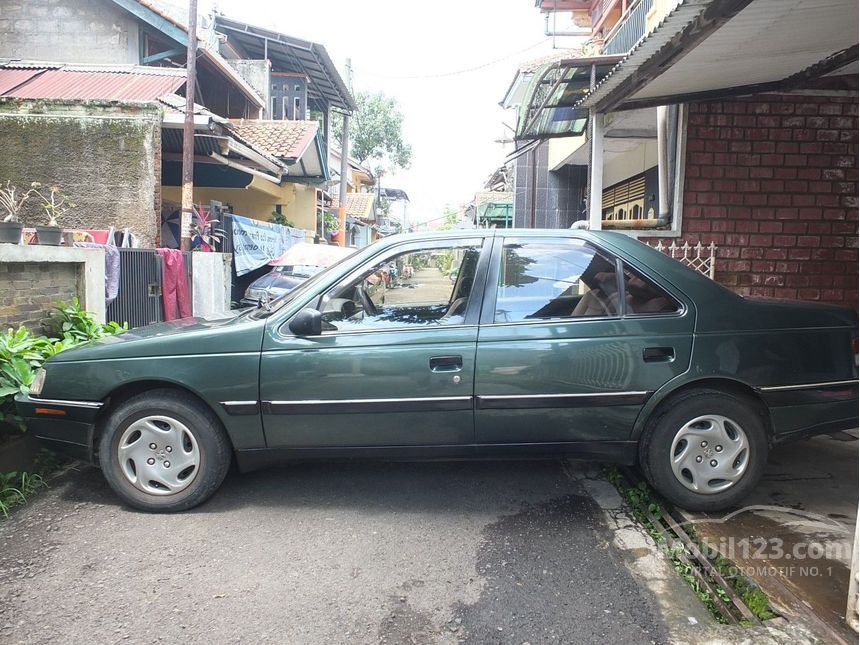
(494, 197)
(555, 56)
(283, 139)
(357, 205)
(32, 80)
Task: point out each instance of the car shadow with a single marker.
(368, 486)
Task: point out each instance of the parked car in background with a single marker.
(278, 281)
(503, 343)
(300, 262)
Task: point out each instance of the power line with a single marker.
(460, 71)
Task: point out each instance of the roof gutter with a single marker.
(238, 166)
(176, 120)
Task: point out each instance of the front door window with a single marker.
(417, 288)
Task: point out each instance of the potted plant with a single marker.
(204, 234)
(332, 225)
(281, 220)
(12, 200)
(55, 204)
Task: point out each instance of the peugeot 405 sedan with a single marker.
(502, 343)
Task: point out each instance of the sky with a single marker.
(420, 53)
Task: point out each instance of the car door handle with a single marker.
(446, 363)
(658, 354)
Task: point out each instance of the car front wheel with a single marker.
(164, 451)
(704, 450)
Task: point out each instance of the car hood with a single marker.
(228, 333)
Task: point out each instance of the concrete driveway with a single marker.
(486, 552)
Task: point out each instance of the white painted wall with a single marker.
(628, 164)
(210, 274)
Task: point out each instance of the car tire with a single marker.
(164, 451)
(704, 450)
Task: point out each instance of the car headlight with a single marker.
(38, 382)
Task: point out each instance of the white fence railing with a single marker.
(701, 258)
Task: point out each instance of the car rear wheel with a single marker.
(164, 451)
(704, 450)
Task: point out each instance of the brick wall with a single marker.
(29, 290)
(772, 180)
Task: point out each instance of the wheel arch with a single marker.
(126, 391)
(664, 396)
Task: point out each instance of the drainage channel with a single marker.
(730, 596)
(701, 567)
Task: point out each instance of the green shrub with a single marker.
(21, 353)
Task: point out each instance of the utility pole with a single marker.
(188, 131)
(344, 167)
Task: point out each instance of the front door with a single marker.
(395, 363)
(562, 357)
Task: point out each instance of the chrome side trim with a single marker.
(806, 386)
(93, 405)
(164, 357)
(360, 406)
(237, 408)
(396, 400)
(557, 401)
(566, 396)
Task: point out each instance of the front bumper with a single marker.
(66, 427)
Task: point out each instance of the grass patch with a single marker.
(642, 500)
(16, 488)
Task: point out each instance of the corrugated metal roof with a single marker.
(675, 21)
(12, 78)
(290, 54)
(768, 41)
(120, 85)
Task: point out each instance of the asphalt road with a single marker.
(485, 552)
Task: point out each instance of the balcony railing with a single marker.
(629, 29)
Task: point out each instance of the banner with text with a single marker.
(257, 243)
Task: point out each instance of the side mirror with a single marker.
(308, 322)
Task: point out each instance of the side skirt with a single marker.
(618, 452)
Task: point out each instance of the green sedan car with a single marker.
(457, 344)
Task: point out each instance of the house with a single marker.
(261, 126)
(549, 193)
(362, 200)
(706, 120)
(493, 207)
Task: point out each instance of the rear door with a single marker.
(563, 357)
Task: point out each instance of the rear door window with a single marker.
(555, 278)
(644, 297)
